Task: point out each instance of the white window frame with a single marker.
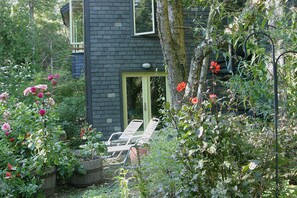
(153, 20)
(72, 40)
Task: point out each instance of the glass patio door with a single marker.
(143, 95)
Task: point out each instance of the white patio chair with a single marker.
(129, 131)
(116, 151)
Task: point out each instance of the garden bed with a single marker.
(109, 187)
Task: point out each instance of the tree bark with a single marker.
(170, 16)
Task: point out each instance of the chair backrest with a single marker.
(130, 130)
(149, 130)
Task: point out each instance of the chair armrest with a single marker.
(111, 136)
(133, 138)
(142, 141)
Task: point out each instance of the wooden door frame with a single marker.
(145, 91)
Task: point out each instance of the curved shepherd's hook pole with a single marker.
(275, 87)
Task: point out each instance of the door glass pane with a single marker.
(158, 95)
(134, 98)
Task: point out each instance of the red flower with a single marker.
(8, 174)
(33, 89)
(9, 166)
(40, 95)
(42, 112)
(11, 139)
(54, 82)
(181, 86)
(50, 77)
(213, 97)
(194, 100)
(214, 67)
(7, 133)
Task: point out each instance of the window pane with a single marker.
(134, 98)
(143, 17)
(77, 33)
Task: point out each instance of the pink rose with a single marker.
(213, 97)
(41, 87)
(7, 133)
(27, 91)
(5, 127)
(33, 89)
(57, 76)
(50, 77)
(42, 112)
(40, 95)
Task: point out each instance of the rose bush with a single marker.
(29, 141)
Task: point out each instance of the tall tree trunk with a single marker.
(202, 62)
(170, 23)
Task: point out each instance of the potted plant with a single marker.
(89, 153)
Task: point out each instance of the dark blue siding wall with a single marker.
(78, 63)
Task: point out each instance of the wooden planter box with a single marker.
(94, 175)
(49, 184)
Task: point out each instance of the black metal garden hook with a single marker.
(275, 90)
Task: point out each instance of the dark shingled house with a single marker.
(123, 61)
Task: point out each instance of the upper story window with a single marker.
(76, 23)
(143, 17)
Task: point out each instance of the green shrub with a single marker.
(227, 155)
(15, 78)
(72, 115)
(160, 170)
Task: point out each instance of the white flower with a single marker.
(253, 165)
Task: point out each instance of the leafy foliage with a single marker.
(161, 177)
(23, 40)
(15, 78)
(71, 98)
